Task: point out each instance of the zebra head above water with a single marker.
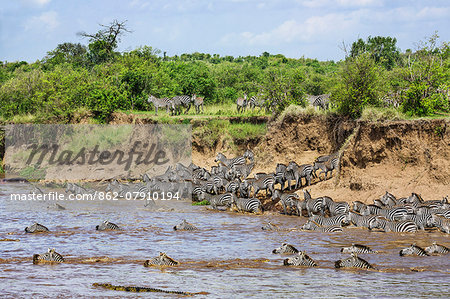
(413, 250)
(437, 249)
(162, 260)
(285, 249)
(300, 259)
(106, 225)
(184, 225)
(36, 228)
(353, 262)
(357, 248)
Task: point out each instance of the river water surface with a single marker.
(228, 257)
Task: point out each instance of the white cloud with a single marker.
(36, 2)
(47, 20)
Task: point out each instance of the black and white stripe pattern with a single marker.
(335, 208)
(327, 166)
(353, 262)
(321, 101)
(198, 103)
(282, 176)
(241, 104)
(265, 183)
(178, 102)
(106, 225)
(394, 214)
(288, 200)
(362, 221)
(160, 103)
(413, 250)
(441, 223)
(249, 205)
(338, 220)
(285, 249)
(36, 228)
(405, 226)
(301, 171)
(300, 259)
(184, 225)
(230, 162)
(221, 200)
(388, 199)
(437, 249)
(50, 256)
(311, 225)
(162, 260)
(357, 248)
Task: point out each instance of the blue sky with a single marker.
(295, 28)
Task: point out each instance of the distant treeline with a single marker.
(74, 78)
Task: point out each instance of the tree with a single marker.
(67, 52)
(382, 49)
(358, 87)
(104, 42)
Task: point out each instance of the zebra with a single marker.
(301, 171)
(405, 226)
(266, 183)
(436, 249)
(184, 225)
(183, 101)
(251, 205)
(413, 250)
(311, 225)
(242, 171)
(338, 220)
(353, 262)
(198, 103)
(362, 221)
(389, 199)
(162, 260)
(322, 101)
(288, 200)
(300, 259)
(312, 205)
(270, 226)
(221, 200)
(50, 256)
(282, 176)
(394, 214)
(159, 103)
(241, 104)
(230, 162)
(414, 198)
(357, 206)
(325, 158)
(248, 154)
(36, 228)
(441, 222)
(422, 220)
(327, 166)
(285, 249)
(106, 225)
(335, 208)
(358, 248)
(232, 186)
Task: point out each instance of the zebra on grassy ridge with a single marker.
(160, 103)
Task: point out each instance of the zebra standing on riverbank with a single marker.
(290, 200)
(198, 103)
(301, 171)
(159, 103)
(250, 205)
(182, 101)
(241, 104)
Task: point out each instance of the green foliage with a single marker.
(358, 87)
(382, 49)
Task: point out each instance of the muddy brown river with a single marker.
(228, 257)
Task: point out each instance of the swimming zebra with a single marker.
(230, 162)
(221, 200)
(300, 259)
(436, 249)
(405, 226)
(358, 248)
(394, 214)
(251, 205)
(353, 262)
(362, 221)
(184, 225)
(36, 228)
(413, 250)
(241, 103)
(338, 220)
(159, 103)
(264, 183)
(50, 256)
(270, 226)
(290, 200)
(335, 208)
(301, 171)
(327, 166)
(441, 223)
(311, 225)
(162, 260)
(198, 103)
(106, 225)
(285, 249)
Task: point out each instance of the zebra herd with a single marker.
(177, 103)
